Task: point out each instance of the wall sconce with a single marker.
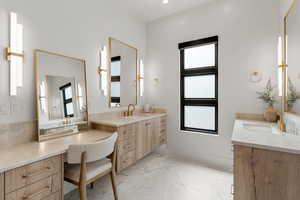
(103, 71)
(15, 54)
(80, 97)
(141, 78)
(43, 97)
(282, 69)
(155, 82)
(255, 77)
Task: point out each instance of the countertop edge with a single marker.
(21, 164)
(254, 143)
(117, 125)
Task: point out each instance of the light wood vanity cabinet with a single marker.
(265, 175)
(36, 181)
(147, 138)
(137, 140)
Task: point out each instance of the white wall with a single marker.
(248, 32)
(73, 28)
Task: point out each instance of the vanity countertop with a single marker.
(24, 154)
(264, 139)
(117, 121)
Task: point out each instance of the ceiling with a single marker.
(149, 10)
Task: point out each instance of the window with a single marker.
(116, 80)
(67, 100)
(199, 85)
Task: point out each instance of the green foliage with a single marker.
(293, 96)
(268, 95)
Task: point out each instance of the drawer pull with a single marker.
(36, 173)
(45, 189)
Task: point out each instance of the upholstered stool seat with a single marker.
(72, 171)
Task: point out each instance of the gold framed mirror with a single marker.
(123, 74)
(291, 49)
(61, 94)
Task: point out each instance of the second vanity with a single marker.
(266, 162)
(139, 134)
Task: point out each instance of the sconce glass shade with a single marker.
(103, 70)
(16, 54)
(279, 55)
(280, 82)
(141, 78)
(19, 59)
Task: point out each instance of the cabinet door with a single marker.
(144, 139)
(1, 186)
(155, 134)
(149, 134)
(141, 137)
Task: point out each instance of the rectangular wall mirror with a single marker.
(292, 41)
(123, 87)
(61, 94)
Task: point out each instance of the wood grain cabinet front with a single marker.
(139, 139)
(265, 175)
(36, 181)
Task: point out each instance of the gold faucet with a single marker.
(129, 112)
(281, 123)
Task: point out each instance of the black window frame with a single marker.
(116, 79)
(66, 101)
(200, 71)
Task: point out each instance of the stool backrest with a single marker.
(95, 151)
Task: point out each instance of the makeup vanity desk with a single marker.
(34, 171)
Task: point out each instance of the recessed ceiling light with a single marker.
(165, 1)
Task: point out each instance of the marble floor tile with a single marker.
(158, 177)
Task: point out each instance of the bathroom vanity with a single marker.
(266, 162)
(139, 135)
(34, 171)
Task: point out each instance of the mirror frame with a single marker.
(284, 58)
(37, 84)
(109, 71)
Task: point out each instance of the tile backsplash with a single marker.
(292, 123)
(17, 133)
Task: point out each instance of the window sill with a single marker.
(198, 133)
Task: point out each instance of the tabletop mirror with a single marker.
(61, 94)
(292, 39)
(123, 74)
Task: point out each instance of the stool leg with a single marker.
(114, 184)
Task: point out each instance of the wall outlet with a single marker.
(4, 109)
(15, 108)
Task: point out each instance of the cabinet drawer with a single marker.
(127, 132)
(23, 176)
(126, 146)
(163, 120)
(127, 159)
(163, 140)
(55, 196)
(35, 191)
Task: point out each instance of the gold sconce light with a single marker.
(255, 77)
(15, 54)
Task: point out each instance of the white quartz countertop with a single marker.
(24, 154)
(283, 142)
(117, 121)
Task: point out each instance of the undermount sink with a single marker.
(258, 127)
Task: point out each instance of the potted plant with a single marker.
(292, 95)
(268, 96)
